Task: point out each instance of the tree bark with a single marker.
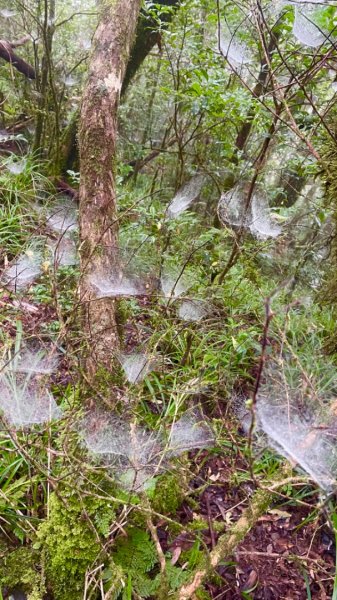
(146, 37)
(44, 80)
(97, 198)
(258, 90)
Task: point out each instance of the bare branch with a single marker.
(6, 52)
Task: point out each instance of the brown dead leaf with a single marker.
(281, 514)
(175, 555)
(251, 582)
(214, 477)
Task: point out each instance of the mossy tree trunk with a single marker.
(97, 198)
(146, 37)
(48, 110)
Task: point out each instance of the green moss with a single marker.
(105, 379)
(198, 524)
(123, 313)
(168, 494)
(202, 594)
(70, 542)
(21, 568)
(328, 292)
(35, 595)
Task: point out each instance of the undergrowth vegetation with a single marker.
(218, 408)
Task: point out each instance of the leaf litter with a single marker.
(146, 472)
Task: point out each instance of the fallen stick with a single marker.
(228, 542)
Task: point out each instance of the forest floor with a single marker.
(288, 555)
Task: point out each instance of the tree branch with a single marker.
(226, 544)
(6, 52)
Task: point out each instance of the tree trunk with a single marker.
(97, 142)
(146, 37)
(259, 90)
(44, 80)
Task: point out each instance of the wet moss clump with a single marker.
(329, 166)
(168, 494)
(70, 541)
(123, 314)
(21, 569)
(328, 292)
